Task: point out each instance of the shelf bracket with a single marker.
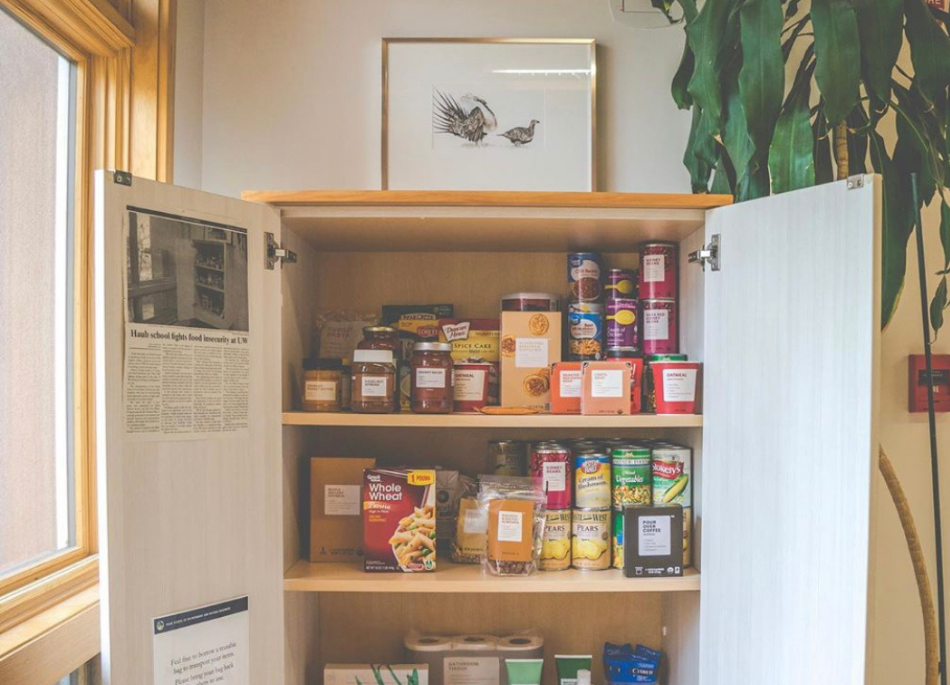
(707, 255)
(277, 254)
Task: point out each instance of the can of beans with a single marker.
(591, 539)
(592, 480)
(632, 475)
(658, 270)
(551, 462)
(620, 283)
(658, 330)
(556, 548)
(530, 302)
(672, 473)
(507, 457)
(583, 275)
(622, 324)
(649, 393)
(618, 538)
(585, 331)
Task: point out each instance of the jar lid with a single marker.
(378, 329)
(529, 296)
(371, 356)
(432, 347)
(329, 364)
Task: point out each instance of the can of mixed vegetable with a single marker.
(672, 472)
(632, 475)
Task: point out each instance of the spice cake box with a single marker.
(530, 343)
(335, 508)
(399, 520)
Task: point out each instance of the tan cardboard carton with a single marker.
(336, 527)
(530, 343)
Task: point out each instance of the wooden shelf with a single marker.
(209, 287)
(388, 221)
(307, 577)
(559, 421)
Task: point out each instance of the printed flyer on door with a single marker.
(187, 357)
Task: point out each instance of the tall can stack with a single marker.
(585, 310)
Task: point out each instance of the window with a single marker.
(37, 168)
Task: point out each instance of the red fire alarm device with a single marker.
(917, 372)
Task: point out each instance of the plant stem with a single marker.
(841, 149)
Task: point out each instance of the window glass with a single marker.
(37, 163)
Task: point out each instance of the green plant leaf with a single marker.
(838, 52)
(792, 153)
(880, 25)
(945, 232)
(706, 36)
(724, 178)
(915, 149)
(697, 151)
(735, 133)
(858, 128)
(762, 76)
(929, 49)
(938, 304)
(824, 169)
(689, 9)
(681, 79)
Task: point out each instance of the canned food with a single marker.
(672, 472)
(632, 475)
(583, 275)
(530, 302)
(658, 267)
(507, 457)
(618, 539)
(658, 327)
(687, 537)
(592, 480)
(590, 544)
(621, 283)
(622, 330)
(551, 462)
(585, 326)
(649, 393)
(556, 549)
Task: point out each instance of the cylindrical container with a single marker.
(591, 539)
(346, 386)
(507, 457)
(672, 475)
(658, 270)
(471, 385)
(551, 462)
(583, 275)
(374, 382)
(432, 378)
(649, 394)
(384, 338)
(556, 550)
(618, 539)
(677, 386)
(585, 331)
(659, 332)
(620, 283)
(322, 385)
(623, 324)
(530, 302)
(632, 475)
(592, 480)
(430, 650)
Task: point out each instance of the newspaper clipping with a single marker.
(187, 357)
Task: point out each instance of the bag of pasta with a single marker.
(471, 526)
(515, 510)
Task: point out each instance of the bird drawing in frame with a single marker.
(471, 119)
(521, 135)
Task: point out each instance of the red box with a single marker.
(917, 382)
(566, 388)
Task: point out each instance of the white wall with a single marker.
(189, 95)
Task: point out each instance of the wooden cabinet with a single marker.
(787, 329)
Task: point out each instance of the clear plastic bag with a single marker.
(514, 508)
(471, 528)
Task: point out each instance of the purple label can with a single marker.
(622, 317)
(621, 283)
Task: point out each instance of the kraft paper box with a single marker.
(336, 529)
(376, 674)
(530, 343)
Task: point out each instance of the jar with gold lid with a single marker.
(322, 385)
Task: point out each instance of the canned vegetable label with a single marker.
(622, 323)
(592, 481)
(672, 475)
(586, 331)
(618, 538)
(556, 549)
(591, 543)
(632, 476)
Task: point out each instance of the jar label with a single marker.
(571, 383)
(319, 391)
(469, 385)
(679, 385)
(653, 268)
(531, 353)
(656, 324)
(373, 386)
(430, 378)
(607, 383)
(554, 476)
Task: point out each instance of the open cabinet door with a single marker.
(189, 465)
(791, 344)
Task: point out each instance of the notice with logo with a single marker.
(207, 645)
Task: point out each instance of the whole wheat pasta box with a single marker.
(399, 520)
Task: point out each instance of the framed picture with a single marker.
(489, 114)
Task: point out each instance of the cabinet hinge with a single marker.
(856, 181)
(707, 255)
(123, 178)
(277, 254)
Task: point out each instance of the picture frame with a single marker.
(457, 114)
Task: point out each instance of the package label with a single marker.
(531, 353)
(679, 385)
(341, 500)
(374, 386)
(510, 525)
(469, 385)
(476, 521)
(319, 391)
(554, 476)
(653, 268)
(656, 324)
(470, 670)
(608, 383)
(431, 378)
(655, 539)
(570, 383)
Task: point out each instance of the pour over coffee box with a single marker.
(530, 343)
(653, 541)
(399, 520)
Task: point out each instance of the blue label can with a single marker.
(585, 331)
(584, 271)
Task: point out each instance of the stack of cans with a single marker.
(585, 311)
(623, 314)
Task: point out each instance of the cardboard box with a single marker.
(399, 520)
(336, 532)
(566, 388)
(374, 674)
(605, 388)
(530, 343)
(653, 541)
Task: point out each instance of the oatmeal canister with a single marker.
(658, 264)
(649, 392)
(672, 472)
(507, 457)
(551, 462)
(591, 540)
(556, 549)
(632, 474)
(622, 320)
(585, 326)
(658, 327)
(592, 480)
(583, 275)
(618, 539)
(621, 283)
(471, 383)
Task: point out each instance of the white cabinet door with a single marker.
(189, 464)
(791, 350)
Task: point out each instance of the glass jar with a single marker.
(374, 382)
(347, 386)
(322, 385)
(432, 382)
(383, 338)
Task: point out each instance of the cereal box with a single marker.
(399, 520)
